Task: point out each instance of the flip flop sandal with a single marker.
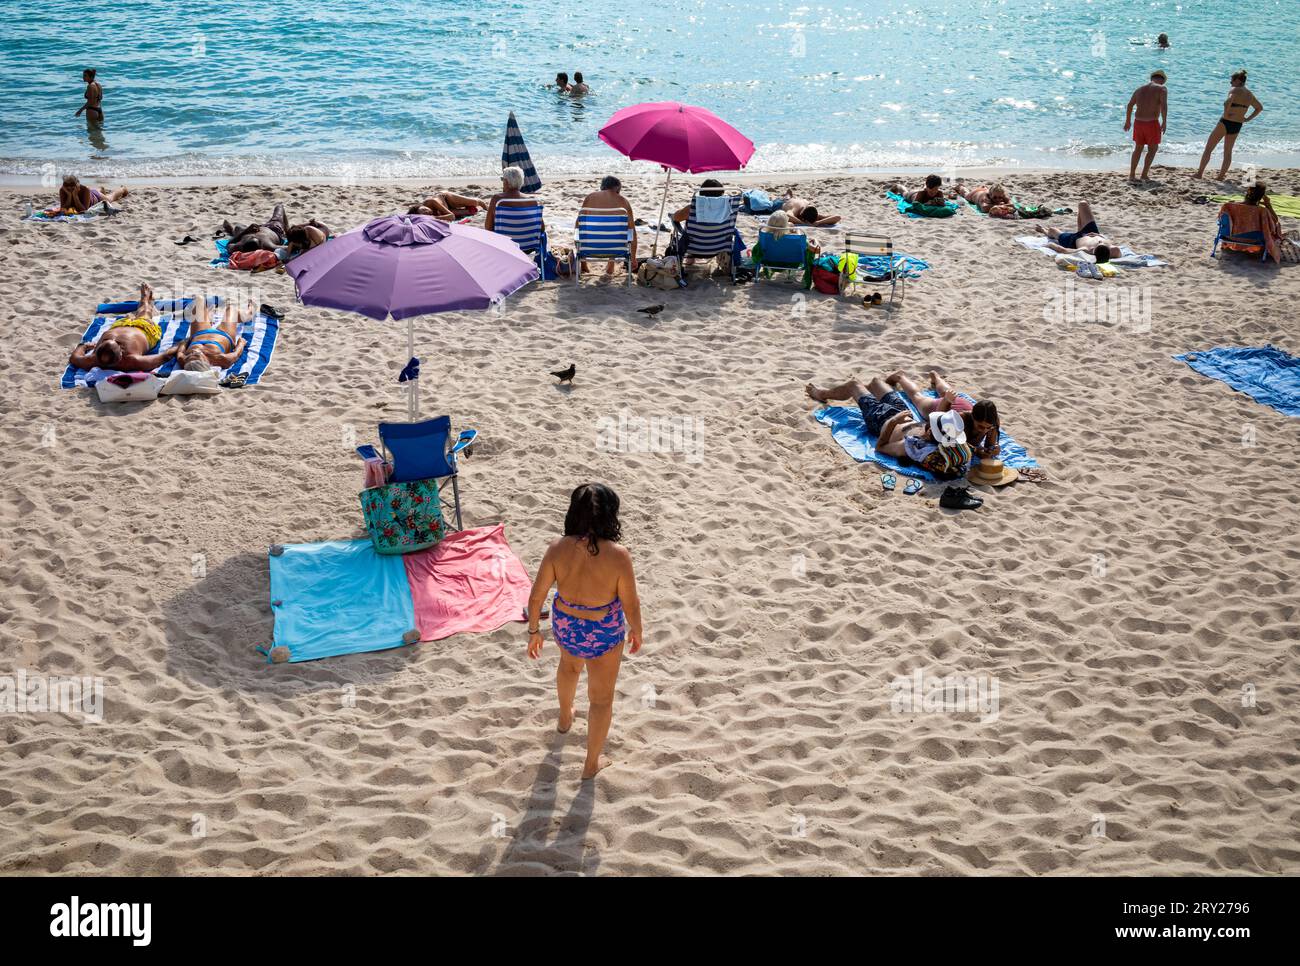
(186, 240)
(270, 313)
(888, 481)
(913, 486)
(1033, 475)
(236, 381)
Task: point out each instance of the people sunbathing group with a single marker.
(274, 235)
(131, 343)
(952, 430)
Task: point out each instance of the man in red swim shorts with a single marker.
(1152, 104)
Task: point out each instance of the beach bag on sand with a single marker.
(826, 281)
(403, 517)
(658, 273)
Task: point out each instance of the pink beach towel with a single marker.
(470, 581)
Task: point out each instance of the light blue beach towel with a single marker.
(259, 334)
(850, 432)
(1267, 375)
(339, 597)
(101, 210)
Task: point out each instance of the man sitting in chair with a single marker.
(512, 181)
(610, 196)
(938, 444)
(128, 345)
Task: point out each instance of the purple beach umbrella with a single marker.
(401, 266)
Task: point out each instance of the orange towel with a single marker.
(1246, 218)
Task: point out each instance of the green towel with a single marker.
(1286, 206)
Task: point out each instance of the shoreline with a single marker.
(22, 183)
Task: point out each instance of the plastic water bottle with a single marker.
(29, 208)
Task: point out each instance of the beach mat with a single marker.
(101, 210)
(850, 432)
(260, 334)
(1268, 375)
(338, 597)
(341, 597)
(1284, 206)
(468, 582)
(1127, 257)
(914, 210)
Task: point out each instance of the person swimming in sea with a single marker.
(1240, 100)
(561, 84)
(595, 611)
(578, 88)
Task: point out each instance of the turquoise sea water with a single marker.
(356, 88)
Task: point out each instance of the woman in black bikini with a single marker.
(1240, 99)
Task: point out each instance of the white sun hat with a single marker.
(948, 428)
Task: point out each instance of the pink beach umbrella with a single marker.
(401, 266)
(678, 136)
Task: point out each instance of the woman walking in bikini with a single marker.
(1240, 100)
(595, 608)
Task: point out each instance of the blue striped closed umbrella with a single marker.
(515, 153)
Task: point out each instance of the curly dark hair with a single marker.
(593, 515)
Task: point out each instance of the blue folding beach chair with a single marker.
(708, 239)
(601, 233)
(520, 220)
(784, 253)
(423, 451)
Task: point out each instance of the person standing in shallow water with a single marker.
(596, 608)
(93, 107)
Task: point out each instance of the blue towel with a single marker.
(876, 267)
(1268, 375)
(259, 335)
(339, 597)
(850, 432)
(905, 206)
(756, 201)
(713, 209)
(223, 256)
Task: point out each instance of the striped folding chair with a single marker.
(709, 239)
(875, 246)
(520, 220)
(601, 233)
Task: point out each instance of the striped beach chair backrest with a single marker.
(704, 240)
(859, 244)
(520, 220)
(603, 233)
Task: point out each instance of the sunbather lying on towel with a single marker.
(208, 345)
(985, 198)
(932, 194)
(1088, 239)
(129, 344)
(448, 206)
(266, 237)
(304, 237)
(980, 419)
(938, 444)
(77, 198)
(803, 212)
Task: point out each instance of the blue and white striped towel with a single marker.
(259, 334)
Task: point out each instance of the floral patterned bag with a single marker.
(403, 517)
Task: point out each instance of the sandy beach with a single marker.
(1137, 612)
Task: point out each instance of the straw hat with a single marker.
(778, 223)
(992, 473)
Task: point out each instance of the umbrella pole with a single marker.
(662, 205)
(413, 386)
